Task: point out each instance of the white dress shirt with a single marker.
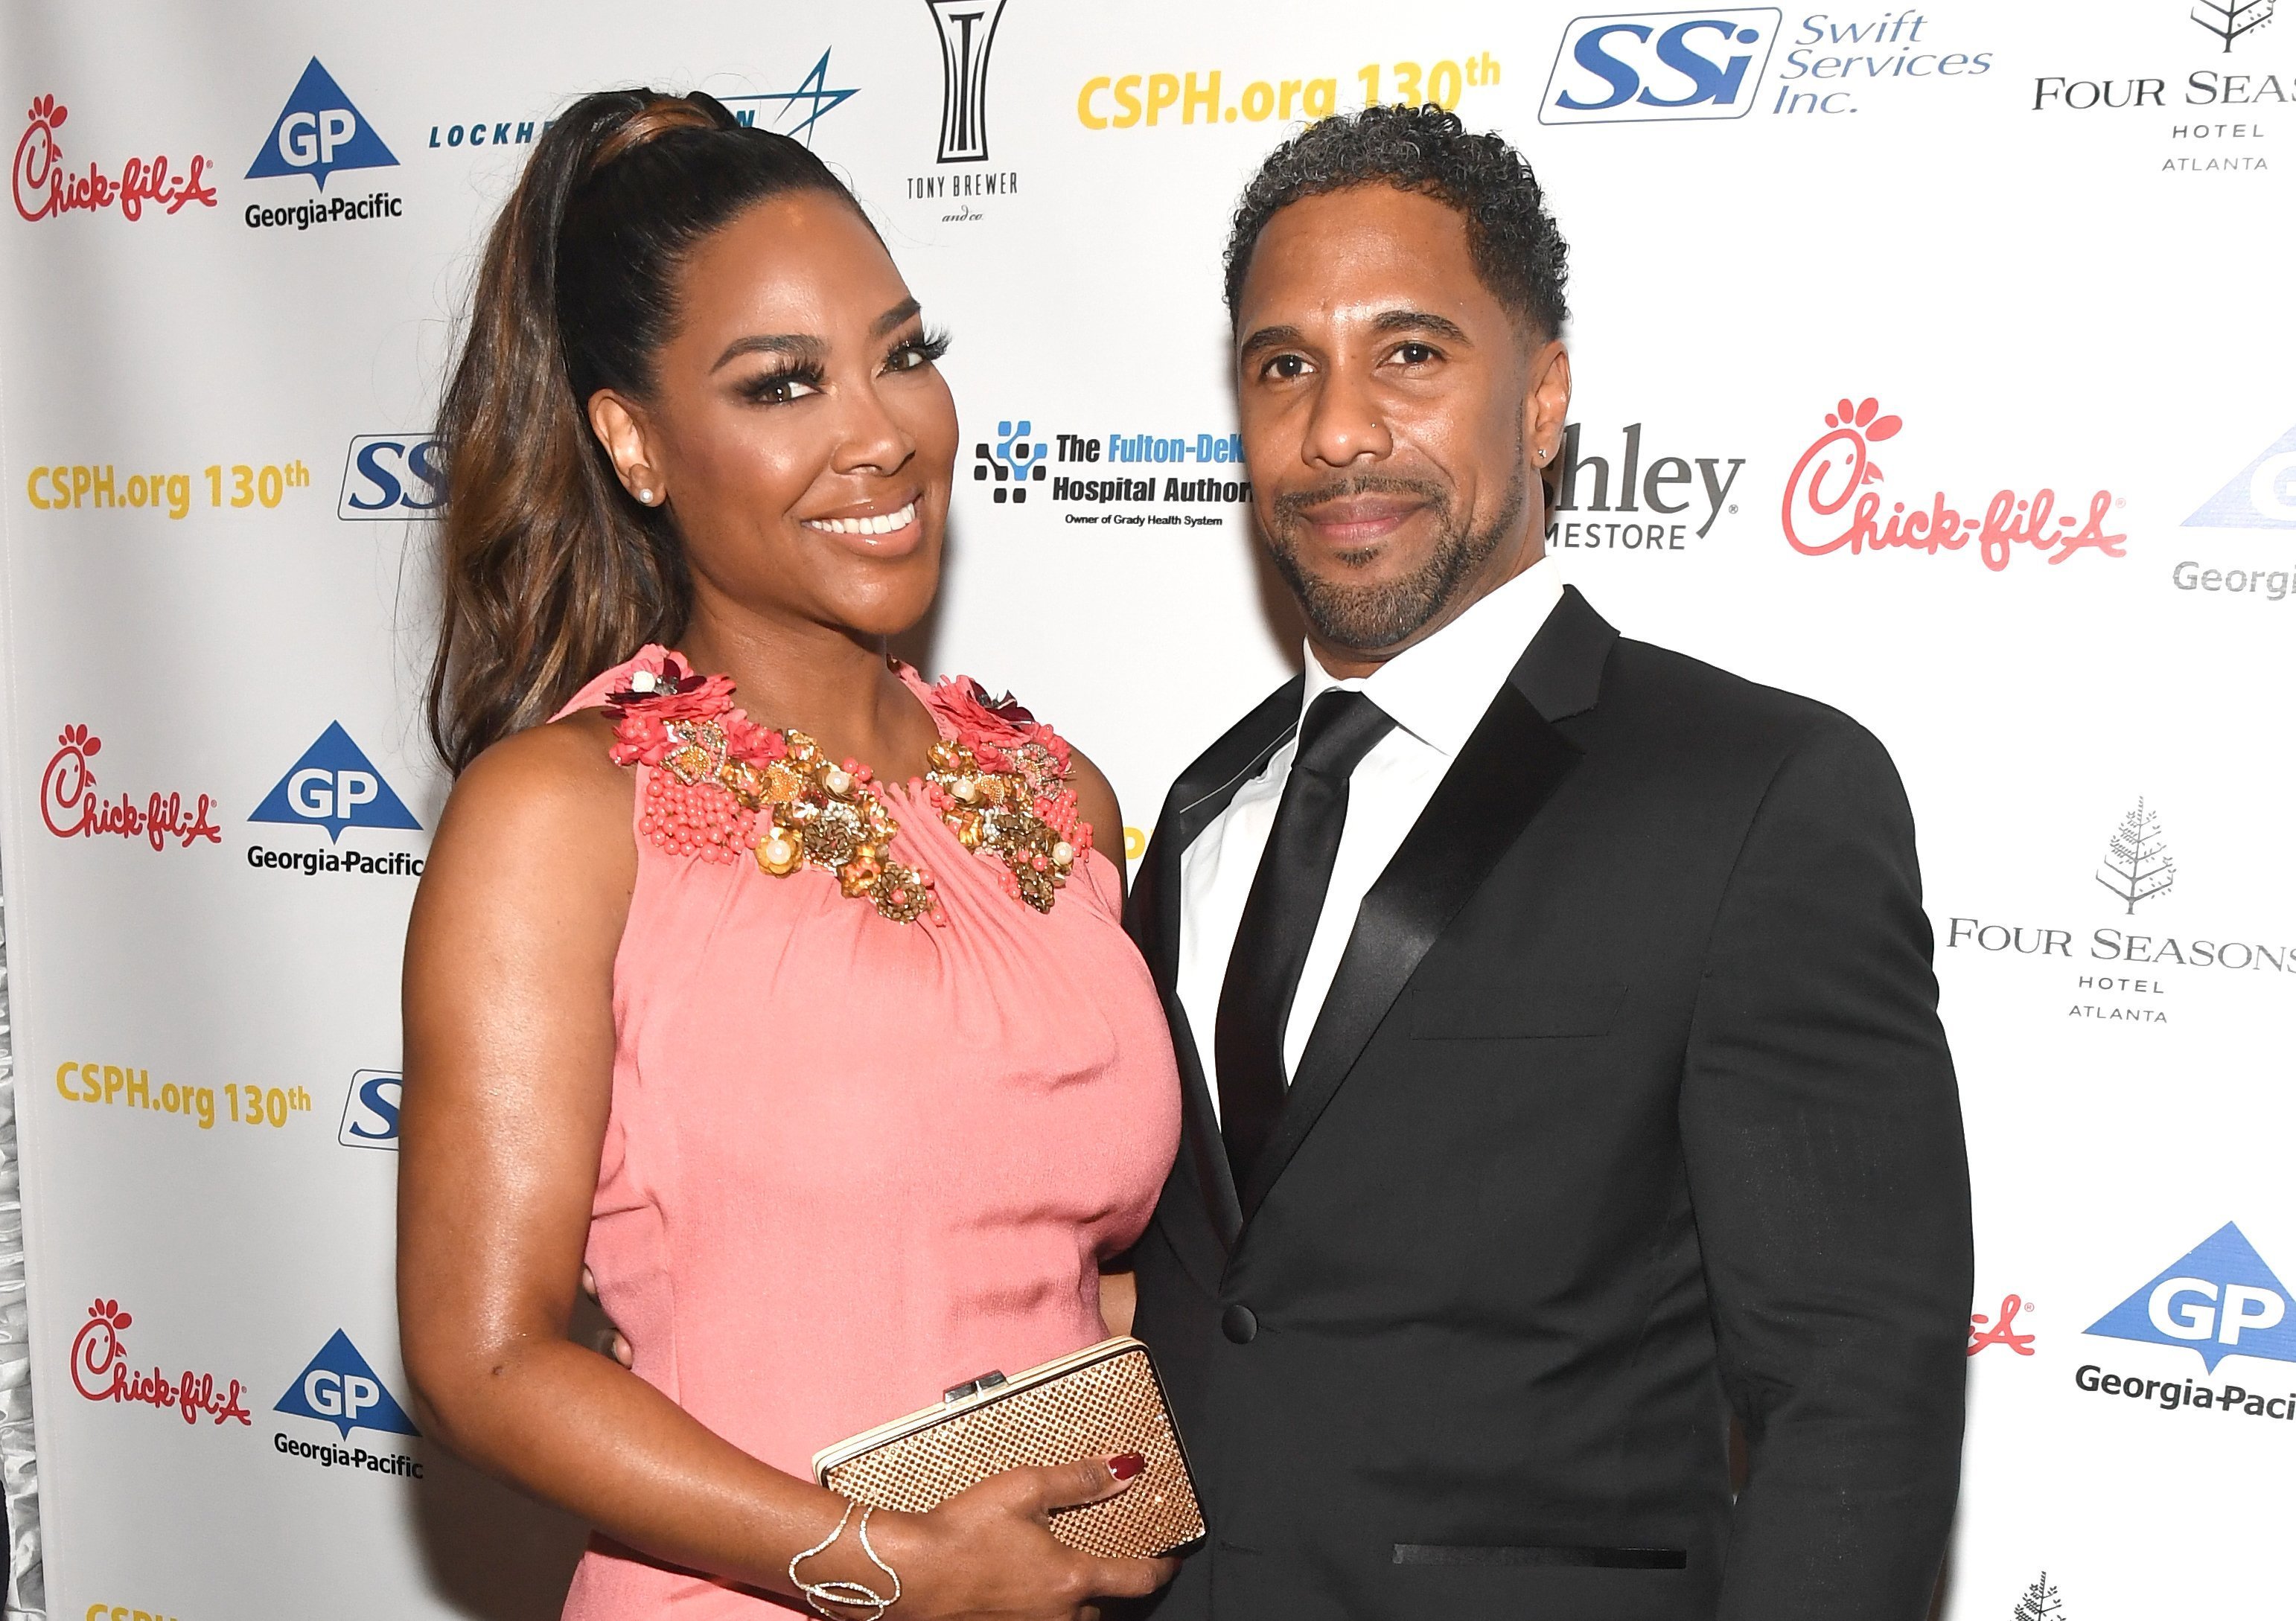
(1436, 692)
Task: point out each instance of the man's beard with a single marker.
(1367, 618)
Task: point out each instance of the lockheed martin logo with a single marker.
(794, 112)
(968, 30)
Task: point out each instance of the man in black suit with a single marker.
(1562, 1067)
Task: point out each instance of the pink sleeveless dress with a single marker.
(850, 1162)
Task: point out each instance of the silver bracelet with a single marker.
(846, 1596)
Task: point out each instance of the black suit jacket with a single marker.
(1628, 1110)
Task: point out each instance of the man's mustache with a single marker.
(1289, 507)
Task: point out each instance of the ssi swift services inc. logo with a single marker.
(45, 189)
(1660, 65)
(72, 808)
(391, 475)
(100, 1373)
(371, 1110)
(339, 1387)
(1839, 471)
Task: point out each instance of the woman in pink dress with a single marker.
(781, 987)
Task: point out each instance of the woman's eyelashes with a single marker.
(786, 384)
(921, 350)
(783, 385)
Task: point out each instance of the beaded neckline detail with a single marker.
(723, 787)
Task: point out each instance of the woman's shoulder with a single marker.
(546, 780)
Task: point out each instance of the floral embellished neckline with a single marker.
(722, 787)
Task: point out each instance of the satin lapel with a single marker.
(1152, 915)
(1512, 761)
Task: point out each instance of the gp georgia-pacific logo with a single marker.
(1839, 471)
(334, 786)
(317, 131)
(2218, 1300)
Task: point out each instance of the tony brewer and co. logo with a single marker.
(340, 1387)
(319, 132)
(1833, 504)
(968, 34)
(335, 786)
(2218, 1300)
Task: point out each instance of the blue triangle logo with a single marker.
(340, 1389)
(2221, 1301)
(319, 132)
(2261, 495)
(334, 786)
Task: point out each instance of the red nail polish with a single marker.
(1126, 1465)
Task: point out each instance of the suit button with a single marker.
(1238, 1324)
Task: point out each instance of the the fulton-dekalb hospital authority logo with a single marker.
(2218, 1300)
(1108, 473)
(1839, 471)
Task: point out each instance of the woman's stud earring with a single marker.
(646, 495)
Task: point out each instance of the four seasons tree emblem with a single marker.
(2137, 865)
(2040, 1603)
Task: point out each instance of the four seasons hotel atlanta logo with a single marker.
(2128, 964)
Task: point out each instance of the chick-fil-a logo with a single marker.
(44, 188)
(72, 809)
(101, 1373)
(1834, 473)
(2002, 1331)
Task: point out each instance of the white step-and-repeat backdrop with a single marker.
(1935, 360)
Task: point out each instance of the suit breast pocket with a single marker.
(1472, 1011)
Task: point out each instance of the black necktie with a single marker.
(1279, 920)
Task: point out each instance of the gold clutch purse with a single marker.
(1099, 1402)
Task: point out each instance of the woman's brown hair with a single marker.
(549, 571)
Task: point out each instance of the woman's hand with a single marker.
(989, 1553)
